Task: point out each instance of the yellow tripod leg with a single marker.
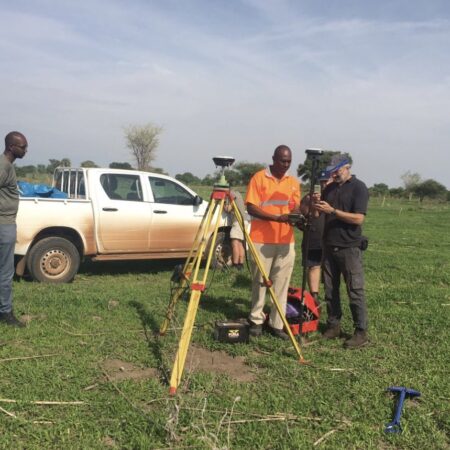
(214, 235)
(191, 262)
(286, 326)
(171, 308)
(268, 283)
(197, 288)
(185, 339)
(203, 241)
(202, 229)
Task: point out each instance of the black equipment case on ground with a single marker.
(232, 331)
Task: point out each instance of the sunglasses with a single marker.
(23, 147)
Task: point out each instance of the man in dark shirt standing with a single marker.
(344, 203)
(15, 147)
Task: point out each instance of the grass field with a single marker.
(93, 342)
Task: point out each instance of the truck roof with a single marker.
(100, 170)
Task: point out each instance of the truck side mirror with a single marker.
(197, 200)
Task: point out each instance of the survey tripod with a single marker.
(193, 277)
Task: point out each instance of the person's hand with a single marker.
(284, 218)
(324, 207)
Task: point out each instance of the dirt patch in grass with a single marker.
(118, 370)
(109, 442)
(27, 318)
(200, 359)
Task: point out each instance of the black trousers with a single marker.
(347, 262)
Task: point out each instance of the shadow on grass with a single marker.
(124, 267)
(151, 330)
(119, 267)
(243, 280)
(231, 308)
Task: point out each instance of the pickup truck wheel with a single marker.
(53, 260)
(222, 254)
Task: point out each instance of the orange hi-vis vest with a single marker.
(274, 196)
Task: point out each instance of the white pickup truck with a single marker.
(110, 214)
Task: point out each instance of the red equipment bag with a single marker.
(311, 311)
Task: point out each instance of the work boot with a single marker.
(359, 339)
(10, 319)
(255, 330)
(280, 334)
(332, 332)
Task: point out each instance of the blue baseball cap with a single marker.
(323, 175)
(337, 161)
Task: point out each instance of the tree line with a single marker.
(32, 172)
(241, 172)
(414, 186)
(142, 142)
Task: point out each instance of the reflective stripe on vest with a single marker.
(275, 202)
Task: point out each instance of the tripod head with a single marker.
(223, 162)
(314, 153)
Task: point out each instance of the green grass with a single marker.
(112, 309)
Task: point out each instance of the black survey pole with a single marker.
(314, 155)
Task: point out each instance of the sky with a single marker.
(231, 77)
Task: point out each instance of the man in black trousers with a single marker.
(344, 203)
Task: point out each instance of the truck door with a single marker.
(175, 217)
(123, 217)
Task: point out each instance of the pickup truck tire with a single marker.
(222, 254)
(53, 260)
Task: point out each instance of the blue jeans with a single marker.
(7, 244)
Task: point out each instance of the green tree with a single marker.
(239, 175)
(26, 171)
(246, 171)
(88, 163)
(120, 165)
(431, 189)
(304, 170)
(208, 180)
(379, 189)
(158, 170)
(397, 192)
(188, 178)
(410, 180)
(233, 177)
(143, 141)
(54, 163)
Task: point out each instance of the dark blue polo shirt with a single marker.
(351, 197)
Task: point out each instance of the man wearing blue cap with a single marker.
(344, 203)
